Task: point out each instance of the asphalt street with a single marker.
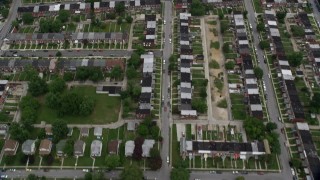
(271, 102)
(11, 16)
(164, 172)
(316, 12)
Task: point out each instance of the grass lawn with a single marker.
(106, 110)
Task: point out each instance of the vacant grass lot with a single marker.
(106, 110)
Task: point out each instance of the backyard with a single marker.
(106, 110)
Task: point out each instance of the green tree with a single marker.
(129, 19)
(119, 20)
(37, 86)
(258, 72)
(68, 76)
(264, 44)
(131, 73)
(116, 72)
(140, 50)
(296, 162)
(199, 105)
(32, 177)
(64, 15)
(240, 178)
(120, 8)
(154, 131)
(88, 176)
(57, 85)
(112, 161)
(314, 103)
(221, 15)
(229, 65)
(18, 133)
(98, 176)
(29, 101)
(68, 148)
(131, 172)
(281, 16)
(179, 174)
(15, 24)
(53, 100)
(143, 130)
(245, 13)
(86, 107)
(226, 47)
(27, 18)
(59, 130)
(58, 54)
(4, 117)
(297, 31)
(197, 8)
(70, 104)
(134, 60)
(261, 27)
(254, 128)
(4, 12)
(270, 126)
(295, 59)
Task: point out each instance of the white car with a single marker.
(170, 41)
(168, 159)
(164, 22)
(250, 26)
(85, 170)
(279, 118)
(4, 176)
(164, 62)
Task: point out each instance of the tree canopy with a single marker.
(131, 172)
(18, 133)
(264, 44)
(59, 130)
(50, 26)
(57, 85)
(197, 8)
(27, 18)
(179, 174)
(258, 72)
(120, 8)
(37, 86)
(229, 65)
(281, 16)
(295, 58)
(314, 103)
(116, 73)
(297, 31)
(112, 161)
(91, 73)
(261, 27)
(64, 15)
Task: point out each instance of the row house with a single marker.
(150, 31)
(303, 20)
(234, 150)
(185, 62)
(183, 4)
(50, 10)
(294, 107)
(307, 151)
(252, 95)
(107, 5)
(80, 37)
(147, 86)
(314, 57)
(283, 3)
(62, 65)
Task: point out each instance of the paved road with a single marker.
(271, 103)
(73, 53)
(164, 172)
(11, 16)
(203, 175)
(316, 12)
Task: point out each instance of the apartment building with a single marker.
(283, 3)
